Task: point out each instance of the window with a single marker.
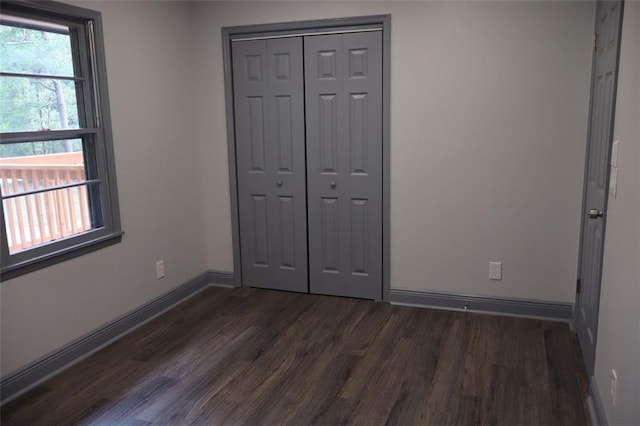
(57, 177)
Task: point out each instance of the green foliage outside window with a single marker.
(34, 104)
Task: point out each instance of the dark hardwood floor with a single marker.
(248, 356)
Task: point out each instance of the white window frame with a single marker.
(95, 132)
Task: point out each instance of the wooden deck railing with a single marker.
(39, 218)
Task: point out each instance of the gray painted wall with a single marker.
(159, 181)
(489, 109)
(618, 344)
(488, 114)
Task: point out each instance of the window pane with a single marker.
(35, 51)
(32, 104)
(35, 165)
(35, 219)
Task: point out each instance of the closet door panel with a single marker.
(269, 126)
(343, 86)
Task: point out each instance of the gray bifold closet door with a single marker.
(270, 152)
(343, 98)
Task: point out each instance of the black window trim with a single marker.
(93, 64)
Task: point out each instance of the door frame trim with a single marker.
(228, 33)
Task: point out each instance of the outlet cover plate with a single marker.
(160, 269)
(495, 271)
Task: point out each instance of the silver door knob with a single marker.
(333, 184)
(279, 183)
(595, 213)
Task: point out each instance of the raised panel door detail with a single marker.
(613, 27)
(603, 31)
(599, 107)
(604, 126)
(283, 133)
(328, 133)
(592, 293)
(254, 67)
(327, 65)
(359, 236)
(330, 235)
(287, 232)
(256, 131)
(358, 63)
(358, 132)
(261, 246)
(283, 68)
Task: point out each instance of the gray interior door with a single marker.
(603, 92)
(343, 85)
(270, 151)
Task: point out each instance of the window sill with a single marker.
(62, 255)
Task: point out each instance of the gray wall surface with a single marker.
(618, 345)
(149, 61)
(489, 107)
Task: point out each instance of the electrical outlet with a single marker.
(614, 386)
(495, 271)
(160, 269)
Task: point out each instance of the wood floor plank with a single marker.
(374, 348)
(448, 379)
(376, 406)
(480, 352)
(250, 356)
(420, 366)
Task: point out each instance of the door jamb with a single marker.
(322, 24)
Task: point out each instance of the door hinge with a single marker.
(595, 41)
(578, 285)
